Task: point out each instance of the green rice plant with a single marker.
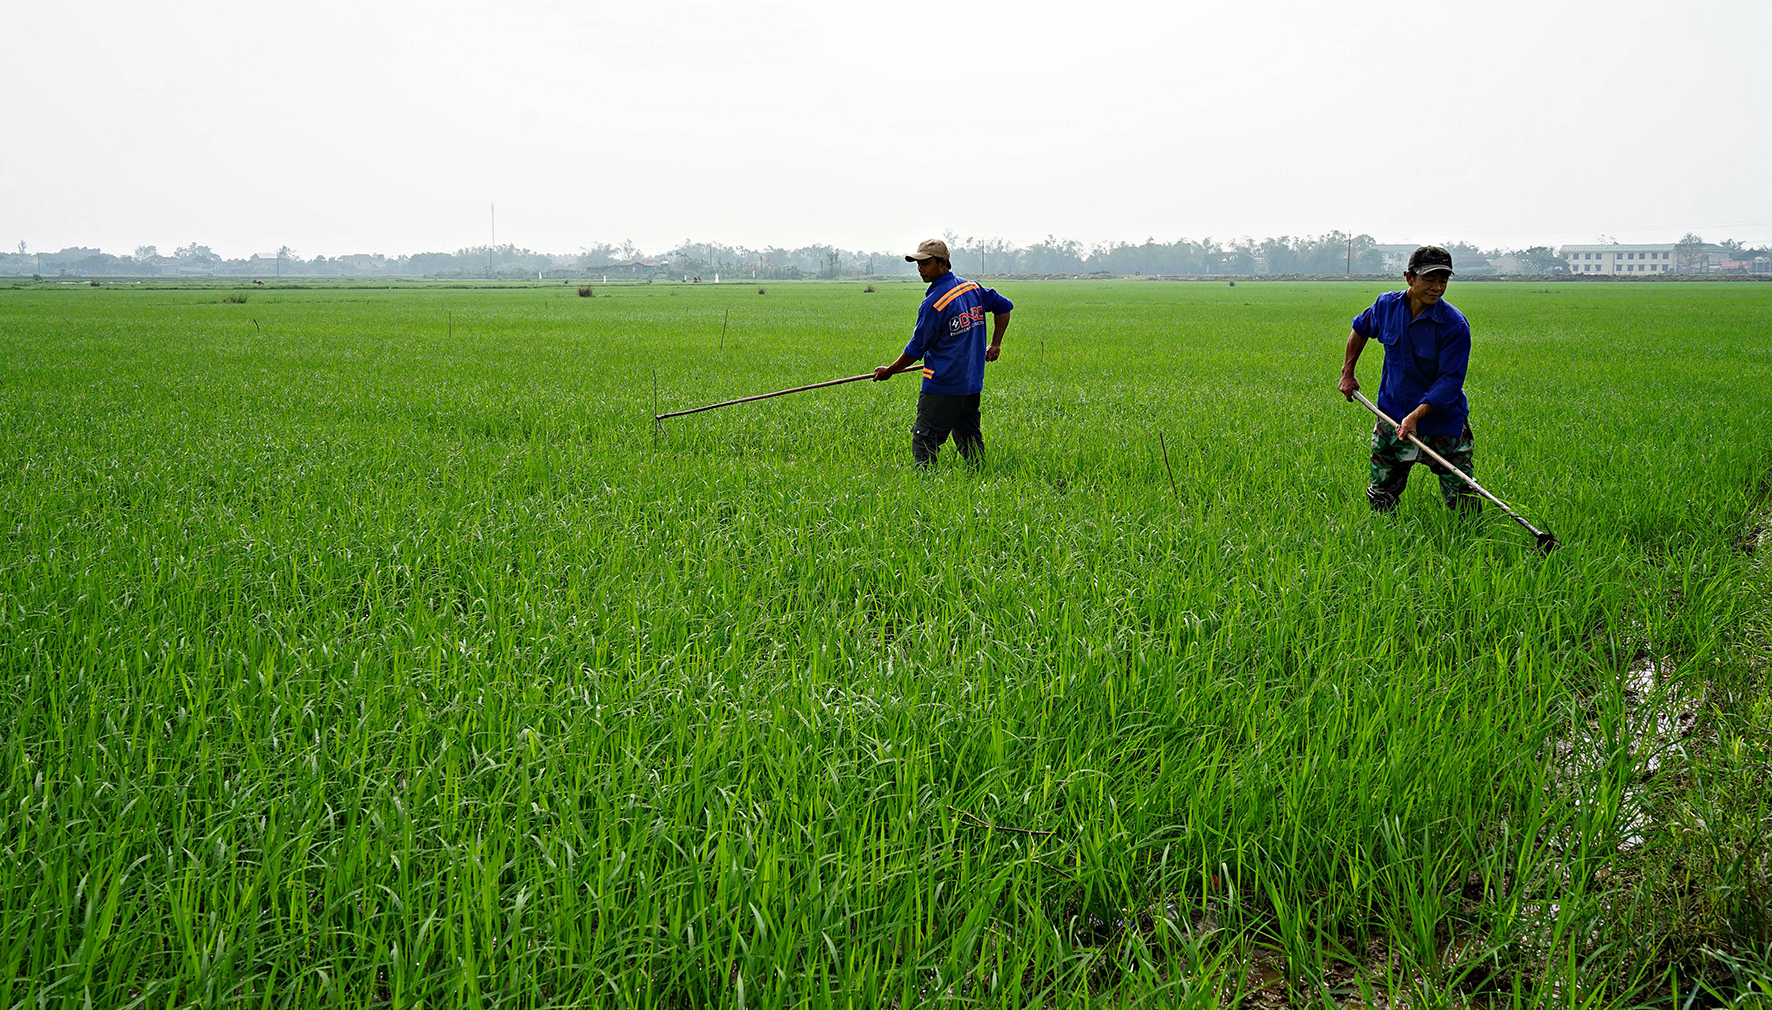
(382, 657)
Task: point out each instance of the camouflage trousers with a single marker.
(1392, 458)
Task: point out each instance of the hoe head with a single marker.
(1547, 542)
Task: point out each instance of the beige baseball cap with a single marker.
(930, 249)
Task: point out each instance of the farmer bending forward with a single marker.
(1427, 348)
(949, 339)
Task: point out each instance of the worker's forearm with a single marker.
(1348, 384)
(999, 326)
(1355, 344)
(885, 372)
(1407, 427)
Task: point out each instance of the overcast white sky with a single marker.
(339, 127)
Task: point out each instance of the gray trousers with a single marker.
(938, 415)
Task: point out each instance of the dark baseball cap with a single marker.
(1428, 259)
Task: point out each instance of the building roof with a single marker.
(1623, 247)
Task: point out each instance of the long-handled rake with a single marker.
(1545, 540)
(780, 392)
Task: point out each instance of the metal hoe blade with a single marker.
(1546, 541)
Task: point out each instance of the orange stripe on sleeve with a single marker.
(957, 292)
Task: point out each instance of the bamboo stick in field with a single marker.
(781, 392)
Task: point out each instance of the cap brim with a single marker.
(914, 257)
(1433, 268)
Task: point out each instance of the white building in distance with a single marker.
(1615, 258)
(1393, 258)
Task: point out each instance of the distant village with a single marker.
(1330, 255)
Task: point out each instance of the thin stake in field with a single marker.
(1545, 540)
(764, 396)
(974, 821)
(1166, 466)
(723, 323)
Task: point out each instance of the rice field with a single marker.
(373, 648)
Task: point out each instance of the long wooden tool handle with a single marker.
(1542, 536)
(781, 392)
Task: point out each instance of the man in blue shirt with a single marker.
(1427, 349)
(949, 340)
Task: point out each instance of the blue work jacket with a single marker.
(1425, 359)
(950, 336)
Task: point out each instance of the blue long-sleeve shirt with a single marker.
(950, 334)
(1425, 359)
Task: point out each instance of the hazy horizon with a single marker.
(393, 128)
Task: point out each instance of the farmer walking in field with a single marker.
(1427, 349)
(949, 340)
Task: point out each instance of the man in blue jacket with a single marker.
(949, 340)
(1427, 349)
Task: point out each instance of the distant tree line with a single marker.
(1334, 253)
